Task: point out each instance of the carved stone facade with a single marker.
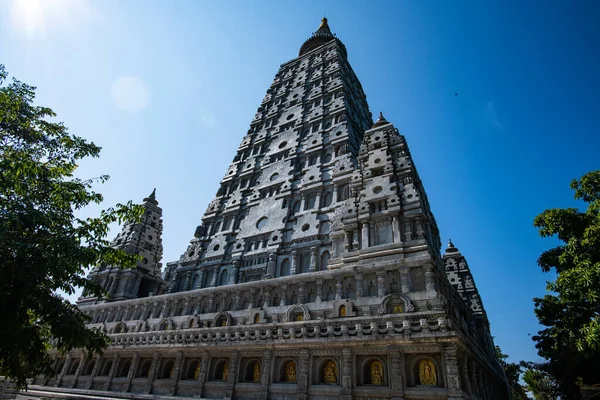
(316, 272)
(143, 238)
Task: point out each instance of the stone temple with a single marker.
(315, 273)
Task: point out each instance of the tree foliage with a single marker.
(44, 247)
(512, 372)
(570, 313)
(539, 382)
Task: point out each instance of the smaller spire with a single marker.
(451, 248)
(152, 198)
(380, 121)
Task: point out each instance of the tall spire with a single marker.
(320, 37)
(324, 26)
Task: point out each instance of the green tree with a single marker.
(539, 382)
(44, 247)
(570, 313)
(512, 371)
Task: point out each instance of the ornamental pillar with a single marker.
(152, 372)
(380, 283)
(235, 272)
(200, 279)
(396, 230)
(97, 365)
(132, 369)
(452, 372)
(186, 282)
(346, 376)
(429, 277)
(319, 296)
(266, 368)
(338, 288)
(271, 265)
(63, 371)
(404, 280)
(175, 373)
(313, 259)
(359, 285)
(365, 235)
(113, 370)
(396, 373)
(294, 267)
(213, 281)
(202, 374)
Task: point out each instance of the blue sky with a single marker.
(498, 101)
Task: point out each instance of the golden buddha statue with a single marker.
(397, 309)
(256, 373)
(299, 317)
(290, 372)
(197, 371)
(223, 322)
(329, 373)
(256, 318)
(342, 311)
(376, 373)
(427, 373)
(225, 371)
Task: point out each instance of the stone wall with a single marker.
(8, 389)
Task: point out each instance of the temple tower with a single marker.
(316, 271)
(271, 215)
(143, 238)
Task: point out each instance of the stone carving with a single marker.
(290, 371)
(376, 373)
(256, 372)
(330, 372)
(427, 373)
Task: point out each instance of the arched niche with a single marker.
(220, 370)
(124, 369)
(192, 370)
(106, 368)
(324, 261)
(293, 313)
(327, 371)
(252, 371)
(120, 327)
(395, 303)
(416, 363)
(73, 368)
(144, 369)
(224, 277)
(286, 371)
(89, 367)
(223, 318)
(373, 372)
(167, 369)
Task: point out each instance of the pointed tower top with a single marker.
(152, 198)
(451, 248)
(380, 121)
(323, 24)
(320, 37)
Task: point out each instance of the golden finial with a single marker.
(324, 23)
